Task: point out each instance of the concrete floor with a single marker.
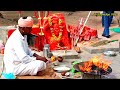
(86, 56)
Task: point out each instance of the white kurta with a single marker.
(18, 57)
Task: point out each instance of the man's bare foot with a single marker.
(40, 73)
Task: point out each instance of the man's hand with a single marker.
(40, 57)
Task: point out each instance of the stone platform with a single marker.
(69, 54)
(112, 46)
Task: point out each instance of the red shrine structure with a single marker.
(50, 29)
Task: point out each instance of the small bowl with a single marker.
(109, 53)
(61, 68)
(60, 58)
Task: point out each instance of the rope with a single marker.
(2, 68)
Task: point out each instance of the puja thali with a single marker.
(61, 68)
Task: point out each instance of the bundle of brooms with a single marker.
(103, 42)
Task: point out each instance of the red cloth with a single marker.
(56, 24)
(39, 40)
(10, 32)
(87, 32)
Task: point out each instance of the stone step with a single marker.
(113, 46)
(69, 54)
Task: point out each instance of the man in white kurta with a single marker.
(18, 57)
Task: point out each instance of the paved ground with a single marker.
(86, 56)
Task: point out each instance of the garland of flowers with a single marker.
(54, 38)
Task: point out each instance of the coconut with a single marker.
(60, 59)
(63, 73)
(67, 74)
(77, 49)
(53, 58)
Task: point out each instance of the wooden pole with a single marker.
(75, 43)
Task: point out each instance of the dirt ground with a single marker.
(71, 17)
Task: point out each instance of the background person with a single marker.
(110, 17)
(106, 21)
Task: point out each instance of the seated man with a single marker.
(19, 59)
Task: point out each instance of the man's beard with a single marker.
(31, 39)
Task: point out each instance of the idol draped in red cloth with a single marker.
(56, 33)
